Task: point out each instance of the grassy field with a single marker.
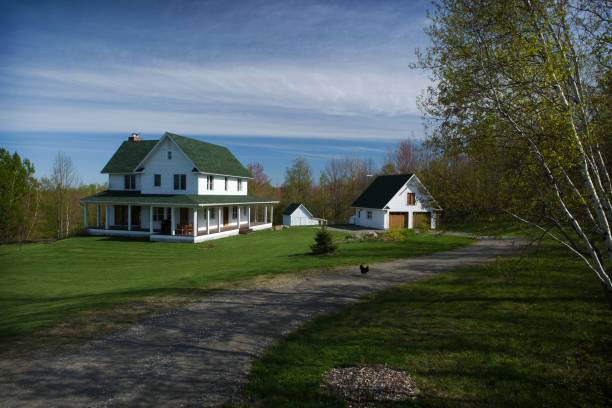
(44, 284)
(531, 332)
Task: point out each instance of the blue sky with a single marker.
(272, 80)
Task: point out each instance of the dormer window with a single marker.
(239, 184)
(226, 183)
(169, 155)
(209, 182)
(129, 182)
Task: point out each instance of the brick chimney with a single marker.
(134, 138)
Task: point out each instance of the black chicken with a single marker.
(364, 269)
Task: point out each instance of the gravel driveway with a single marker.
(201, 354)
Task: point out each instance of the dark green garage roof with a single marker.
(207, 157)
(381, 191)
(135, 198)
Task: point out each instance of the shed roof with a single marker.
(291, 208)
(207, 157)
(381, 191)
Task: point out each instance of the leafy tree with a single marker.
(298, 181)
(260, 186)
(18, 197)
(520, 89)
(323, 242)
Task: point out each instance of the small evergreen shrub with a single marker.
(323, 242)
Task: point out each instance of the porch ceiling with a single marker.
(135, 198)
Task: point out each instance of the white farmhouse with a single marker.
(298, 214)
(176, 189)
(395, 201)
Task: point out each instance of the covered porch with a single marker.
(174, 222)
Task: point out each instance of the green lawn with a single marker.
(43, 284)
(534, 332)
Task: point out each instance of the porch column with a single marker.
(207, 220)
(272, 214)
(249, 215)
(219, 219)
(129, 217)
(85, 215)
(195, 222)
(238, 221)
(97, 215)
(106, 215)
(173, 226)
(265, 214)
(151, 219)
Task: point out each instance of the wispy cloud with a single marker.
(334, 91)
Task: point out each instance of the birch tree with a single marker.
(63, 180)
(523, 86)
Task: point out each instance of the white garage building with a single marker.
(395, 201)
(297, 214)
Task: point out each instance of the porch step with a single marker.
(246, 231)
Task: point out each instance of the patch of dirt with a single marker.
(362, 386)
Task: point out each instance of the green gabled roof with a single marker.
(210, 158)
(207, 157)
(127, 157)
(381, 191)
(135, 198)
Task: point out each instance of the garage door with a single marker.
(421, 220)
(398, 220)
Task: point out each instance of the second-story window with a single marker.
(209, 182)
(239, 184)
(180, 182)
(157, 180)
(226, 183)
(130, 182)
(410, 199)
(169, 155)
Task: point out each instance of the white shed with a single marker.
(297, 214)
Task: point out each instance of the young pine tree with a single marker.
(323, 242)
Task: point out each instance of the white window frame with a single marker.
(181, 186)
(210, 180)
(130, 180)
(239, 184)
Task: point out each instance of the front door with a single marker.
(136, 216)
(184, 216)
(225, 215)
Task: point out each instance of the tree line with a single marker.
(47, 208)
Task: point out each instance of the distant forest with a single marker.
(47, 208)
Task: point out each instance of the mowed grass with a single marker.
(43, 284)
(532, 332)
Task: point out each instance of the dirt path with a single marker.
(200, 355)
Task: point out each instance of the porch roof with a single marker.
(135, 198)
